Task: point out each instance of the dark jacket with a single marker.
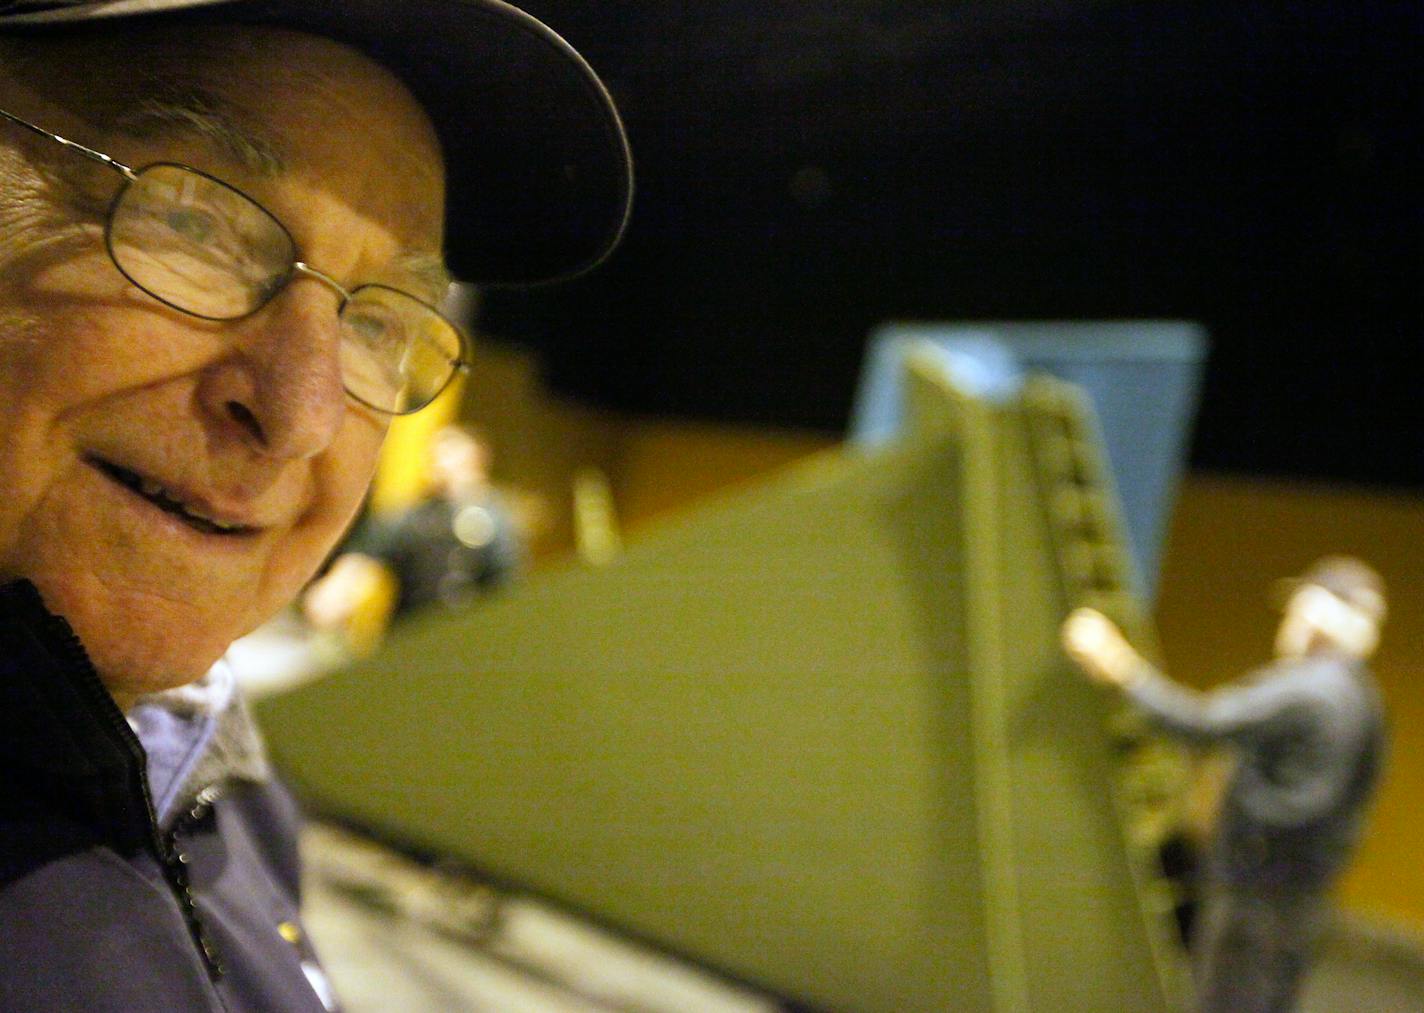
(1309, 738)
(102, 908)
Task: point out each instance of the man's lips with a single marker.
(185, 507)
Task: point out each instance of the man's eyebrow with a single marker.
(204, 116)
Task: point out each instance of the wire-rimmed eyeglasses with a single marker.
(207, 249)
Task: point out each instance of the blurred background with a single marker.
(810, 171)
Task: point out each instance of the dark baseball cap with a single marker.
(540, 176)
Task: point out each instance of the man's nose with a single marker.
(282, 388)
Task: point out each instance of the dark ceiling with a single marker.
(809, 168)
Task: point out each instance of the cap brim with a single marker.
(540, 176)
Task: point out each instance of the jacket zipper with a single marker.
(172, 861)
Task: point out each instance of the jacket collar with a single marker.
(197, 736)
(63, 741)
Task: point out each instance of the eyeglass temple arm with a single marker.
(89, 153)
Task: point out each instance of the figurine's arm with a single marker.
(1100, 650)
(1237, 710)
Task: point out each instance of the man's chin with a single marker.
(135, 668)
(143, 645)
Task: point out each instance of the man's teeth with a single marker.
(154, 491)
(220, 525)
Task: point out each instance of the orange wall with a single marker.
(541, 442)
(663, 466)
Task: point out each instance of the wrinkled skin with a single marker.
(247, 420)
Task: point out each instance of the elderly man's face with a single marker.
(242, 422)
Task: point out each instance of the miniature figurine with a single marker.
(1308, 737)
(460, 541)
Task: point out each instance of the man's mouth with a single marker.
(166, 501)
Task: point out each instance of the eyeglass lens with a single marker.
(396, 353)
(205, 248)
